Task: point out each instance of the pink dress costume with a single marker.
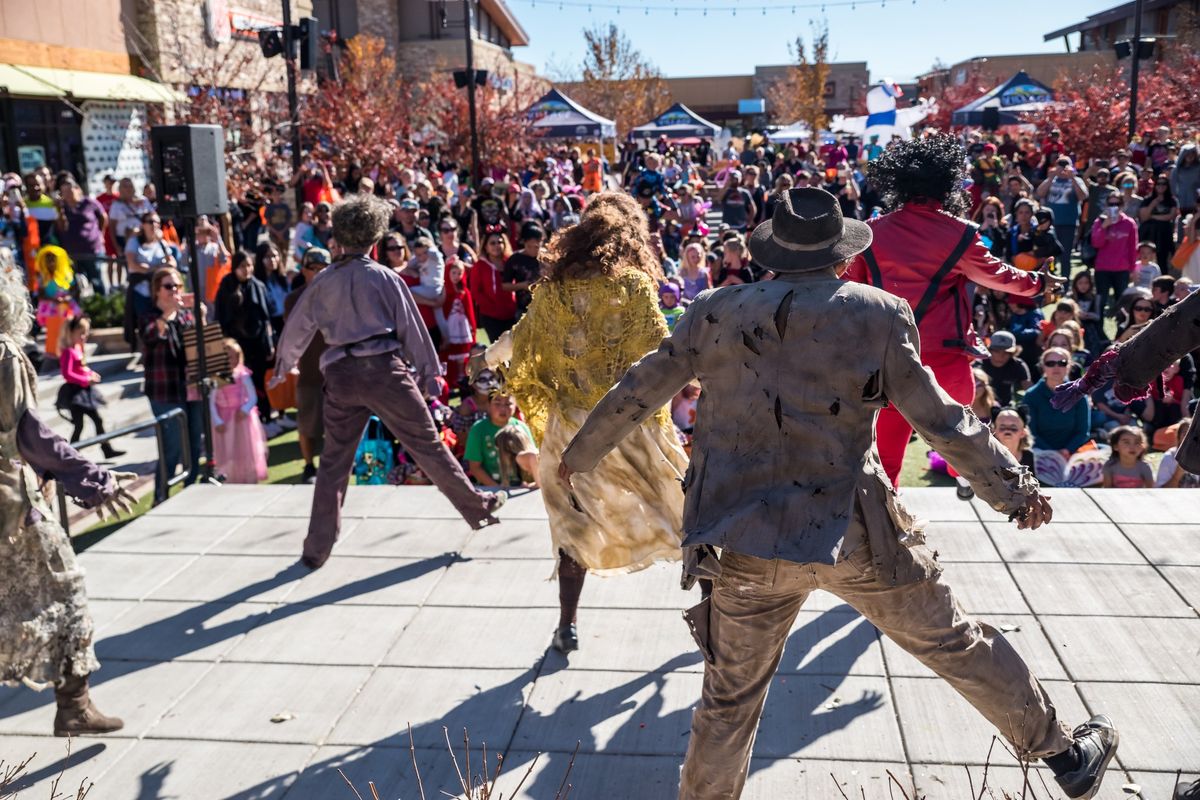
(241, 447)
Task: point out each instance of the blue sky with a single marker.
(898, 38)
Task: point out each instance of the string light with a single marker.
(675, 8)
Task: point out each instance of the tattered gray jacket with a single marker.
(793, 372)
(1165, 340)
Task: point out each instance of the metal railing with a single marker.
(158, 423)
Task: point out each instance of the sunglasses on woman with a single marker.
(171, 287)
(1008, 429)
(1055, 363)
(1146, 309)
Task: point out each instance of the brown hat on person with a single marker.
(807, 232)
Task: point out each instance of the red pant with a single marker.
(952, 371)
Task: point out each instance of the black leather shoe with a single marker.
(1188, 791)
(566, 639)
(111, 452)
(1096, 743)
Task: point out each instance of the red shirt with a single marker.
(910, 246)
(483, 281)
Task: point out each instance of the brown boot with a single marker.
(76, 714)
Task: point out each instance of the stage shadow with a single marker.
(187, 632)
(388, 762)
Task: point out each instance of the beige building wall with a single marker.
(67, 34)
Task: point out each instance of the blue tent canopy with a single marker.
(677, 122)
(1019, 95)
(557, 116)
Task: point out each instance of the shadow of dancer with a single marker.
(184, 633)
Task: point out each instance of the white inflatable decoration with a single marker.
(883, 119)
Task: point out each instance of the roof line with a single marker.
(503, 15)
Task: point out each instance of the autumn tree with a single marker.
(1092, 110)
(615, 80)
(370, 113)
(972, 85)
(798, 95)
(502, 126)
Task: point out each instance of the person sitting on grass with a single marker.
(489, 435)
(1127, 467)
(1009, 428)
(1052, 429)
(1171, 475)
(1007, 373)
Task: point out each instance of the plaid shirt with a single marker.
(164, 361)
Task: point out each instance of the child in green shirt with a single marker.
(498, 443)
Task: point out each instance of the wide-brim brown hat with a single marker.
(807, 232)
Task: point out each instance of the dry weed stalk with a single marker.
(474, 787)
(985, 791)
(10, 773)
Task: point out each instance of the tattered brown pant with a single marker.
(743, 627)
(356, 388)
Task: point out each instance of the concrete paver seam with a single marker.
(1042, 628)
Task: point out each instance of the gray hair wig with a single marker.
(360, 221)
(16, 313)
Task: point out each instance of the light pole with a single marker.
(289, 58)
(475, 165)
(1133, 70)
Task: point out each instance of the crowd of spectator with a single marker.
(1121, 229)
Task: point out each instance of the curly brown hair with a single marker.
(612, 237)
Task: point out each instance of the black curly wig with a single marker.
(931, 167)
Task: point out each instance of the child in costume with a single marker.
(239, 442)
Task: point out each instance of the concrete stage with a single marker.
(208, 630)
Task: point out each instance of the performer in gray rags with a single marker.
(785, 480)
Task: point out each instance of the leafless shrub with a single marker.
(10, 776)
(480, 786)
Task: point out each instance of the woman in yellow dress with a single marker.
(594, 314)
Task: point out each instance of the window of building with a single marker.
(830, 88)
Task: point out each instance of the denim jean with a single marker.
(1066, 237)
(1112, 282)
(173, 443)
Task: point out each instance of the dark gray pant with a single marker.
(356, 388)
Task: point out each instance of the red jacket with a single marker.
(483, 282)
(911, 245)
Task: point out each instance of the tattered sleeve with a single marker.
(948, 426)
(50, 455)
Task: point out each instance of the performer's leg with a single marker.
(394, 397)
(748, 618)
(953, 373)
(927, 620)
(77, 714)
(571, 575)
(892, 433)
(344, 423)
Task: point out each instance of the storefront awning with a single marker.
(80, 85)
(17, 82)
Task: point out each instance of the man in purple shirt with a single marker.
(80, 229)
(379, 360)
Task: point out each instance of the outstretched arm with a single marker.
(647, 386)
(950, 427)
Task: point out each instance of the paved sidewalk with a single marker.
(208, 631)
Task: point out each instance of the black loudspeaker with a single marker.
(189, 169)
(991, 118)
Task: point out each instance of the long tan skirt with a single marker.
(629, 510)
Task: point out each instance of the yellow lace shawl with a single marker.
(576, 341)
